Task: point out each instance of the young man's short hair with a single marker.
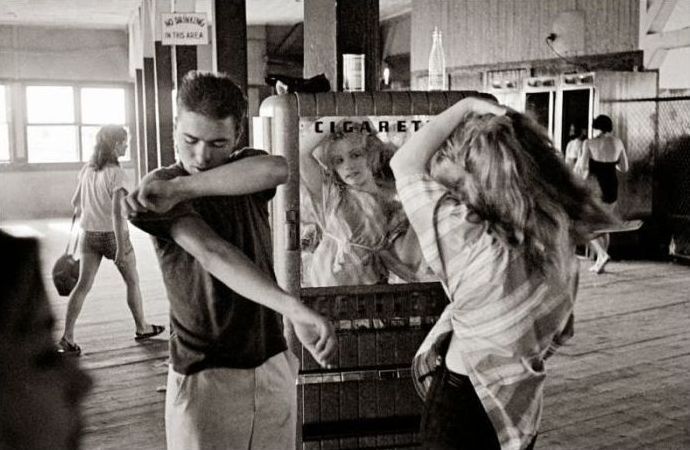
(214, 95)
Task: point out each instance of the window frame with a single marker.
(19, 123)
(8, 121)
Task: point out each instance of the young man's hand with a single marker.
(152, 194)
(317, 335)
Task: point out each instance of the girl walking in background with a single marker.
(104, 233)
(498, 215)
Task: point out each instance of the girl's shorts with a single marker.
(100, 242)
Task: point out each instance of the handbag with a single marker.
(426, 363)
(66, 268)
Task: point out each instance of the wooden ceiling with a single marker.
(115, 14)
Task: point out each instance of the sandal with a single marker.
(68, 348)
(155, 331)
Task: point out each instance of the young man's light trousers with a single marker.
(233, 408)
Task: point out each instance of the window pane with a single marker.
(88, 141)
(4, 128)
(103, 105)
(52, 143)
(50, 104)
(3, 105)
(4, 143)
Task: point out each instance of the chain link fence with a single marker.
(656, 133)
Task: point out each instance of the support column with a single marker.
(140, 124)
(320, 44)
(332, 28)
(149, 90)
(230, 25)
(136, 63)
(163, 73)
(358, 32)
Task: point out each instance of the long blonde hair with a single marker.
(514, 179)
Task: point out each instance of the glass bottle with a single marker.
(437, 64)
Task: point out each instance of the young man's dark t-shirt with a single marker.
(211, 325)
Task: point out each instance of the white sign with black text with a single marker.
(184, 29)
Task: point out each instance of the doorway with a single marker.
(575, 111)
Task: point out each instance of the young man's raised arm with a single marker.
(235, 270)
(246, 176)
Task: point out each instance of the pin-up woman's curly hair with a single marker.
(378, 153)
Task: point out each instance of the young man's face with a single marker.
(203, 143)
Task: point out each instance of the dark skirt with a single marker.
(605, 174)
(454, 417)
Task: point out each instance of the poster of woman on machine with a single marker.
(353, 228)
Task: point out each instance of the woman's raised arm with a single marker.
(414, 154)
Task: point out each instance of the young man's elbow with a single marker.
(278, 170)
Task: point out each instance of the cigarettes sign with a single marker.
(184, 29)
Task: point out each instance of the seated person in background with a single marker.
(232, 380)
(498, 215)
(40, 391)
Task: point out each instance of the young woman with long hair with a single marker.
(104, 233)
(498, 215)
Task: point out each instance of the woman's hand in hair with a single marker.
(483, 106)
(413, 155)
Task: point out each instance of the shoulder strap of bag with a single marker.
(438, 241)
(69, 240)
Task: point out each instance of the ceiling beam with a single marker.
(657, 15)
(655, 43)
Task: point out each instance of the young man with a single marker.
(232, 380)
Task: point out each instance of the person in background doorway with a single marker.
(100, 189)
(601, 157)
(573, 150)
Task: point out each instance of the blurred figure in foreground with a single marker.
(40, 391)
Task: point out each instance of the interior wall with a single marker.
(54, 54)
(500, 31)
(40, 194)
(32, 52)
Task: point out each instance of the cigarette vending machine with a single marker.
(336, 224)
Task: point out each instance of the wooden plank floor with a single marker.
(622, 383)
